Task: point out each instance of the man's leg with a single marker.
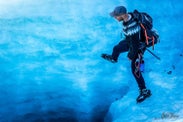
(135, 66)
(144, 93)
(120, 48)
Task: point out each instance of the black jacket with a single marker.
(132, 32)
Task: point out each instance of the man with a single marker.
(131, 44)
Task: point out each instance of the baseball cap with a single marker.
(119, 10)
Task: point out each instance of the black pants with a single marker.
(123, 47)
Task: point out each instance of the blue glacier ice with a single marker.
(51, 69)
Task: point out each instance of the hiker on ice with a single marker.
(134, 44)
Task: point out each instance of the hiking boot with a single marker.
(144, 93)
(108, 57)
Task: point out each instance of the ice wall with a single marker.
(50, 65)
